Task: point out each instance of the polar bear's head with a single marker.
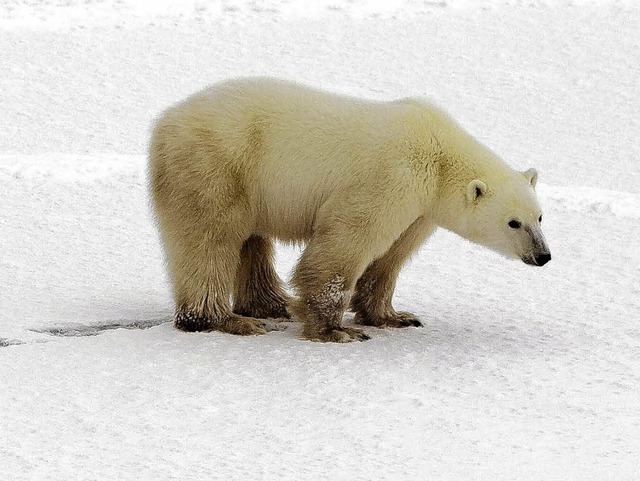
(500, 211)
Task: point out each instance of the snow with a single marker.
(519, 372)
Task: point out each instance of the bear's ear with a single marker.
(532, 176)
(475, 190)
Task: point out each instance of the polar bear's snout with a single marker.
(542, 259)
(537, 259)
(539, 254)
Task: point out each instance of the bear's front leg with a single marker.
(343, 245)
(321, 308)
(371, 301)
(324, 279)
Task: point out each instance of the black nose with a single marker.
(542, 259)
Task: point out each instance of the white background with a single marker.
(519, 373)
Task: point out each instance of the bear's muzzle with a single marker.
(537, 259)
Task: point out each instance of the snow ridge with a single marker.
(591, 200)
(131, 169)
(52, 15)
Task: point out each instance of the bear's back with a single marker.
(273, 137)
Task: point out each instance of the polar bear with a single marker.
(362, 183)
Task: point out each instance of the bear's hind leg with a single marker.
(203, 286)
(258, 289)
(371, 301)
(203, 253)
(204, 218)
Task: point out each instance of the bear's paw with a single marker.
(396, 319)
(337, 334)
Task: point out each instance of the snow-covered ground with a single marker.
(519, 373)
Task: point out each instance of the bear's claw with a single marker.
(243, 326)
(398, 320)
(342, 334)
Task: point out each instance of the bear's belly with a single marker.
(287, 202)
(287, 214)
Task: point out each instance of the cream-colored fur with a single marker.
(363, 183)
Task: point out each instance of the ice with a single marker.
(519, 373)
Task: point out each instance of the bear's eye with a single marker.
(514, 224)
(540, 219)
